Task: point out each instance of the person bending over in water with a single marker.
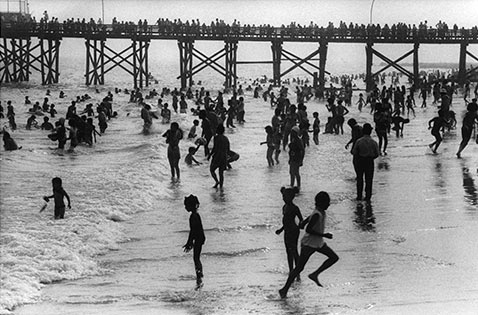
(189, 159)
(196, 237)
(291, 229)
(313, 241)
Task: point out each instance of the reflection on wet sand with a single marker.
(471, 194)
(364, 217)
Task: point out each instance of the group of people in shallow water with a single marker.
(364, 150)
(288, 131)
(77, 126)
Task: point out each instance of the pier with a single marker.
(29, 46)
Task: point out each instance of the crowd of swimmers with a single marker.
(391, 108)
(77, 126)
(165, 26)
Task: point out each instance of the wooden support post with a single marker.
(472, 69)
(25, 57)
(186, 62)
(276, 60)
(140, 62)
(15, 59)
(49, 59)
(322, 61)
(416, 65)
(230, 48)
(6, 54)
(95, 56)
(462, 63)
(368, 75)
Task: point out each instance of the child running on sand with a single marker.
(313, 241)
(290, 227)
(59, 194)
(438, 123)
(196, 237)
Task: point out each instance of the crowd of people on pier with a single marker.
(219, 28)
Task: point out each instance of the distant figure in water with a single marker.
(189, 159)
(8, 143)
(173, 136)
(270, 145)
(291, 229)
(219, 156)
(196, 237)
(313, 241)
(296, 156)
(59, 194)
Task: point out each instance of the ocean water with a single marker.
(119, 249)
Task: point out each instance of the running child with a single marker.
(196, 237)
(438, 123)
(313, 241)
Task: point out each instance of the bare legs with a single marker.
(305, 254)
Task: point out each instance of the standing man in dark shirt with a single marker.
(365, 151)
(206, 130)
(219, 156)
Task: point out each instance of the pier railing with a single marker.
(18, 56)
(243, 33)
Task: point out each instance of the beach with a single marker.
(119, 249)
